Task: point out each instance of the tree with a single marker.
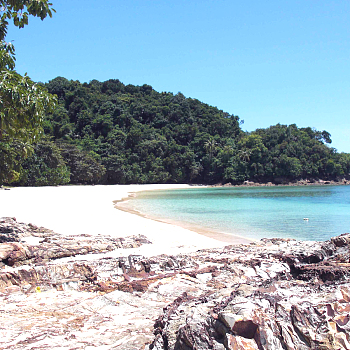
(210, 147)
(44, 167)
(22, 106)
(244, 154)
(23, 103)
(11, 154)
(84, 169)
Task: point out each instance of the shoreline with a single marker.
(233, 239)
(90, 210)
(294, 224)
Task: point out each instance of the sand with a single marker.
(70, 210)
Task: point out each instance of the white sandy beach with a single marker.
(90, 210)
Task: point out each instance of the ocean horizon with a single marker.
(300, 212)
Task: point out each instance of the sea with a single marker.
(300, 212)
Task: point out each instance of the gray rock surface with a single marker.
(271, 294)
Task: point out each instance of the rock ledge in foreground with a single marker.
(272, 294)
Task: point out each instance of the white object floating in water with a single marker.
(306, 219)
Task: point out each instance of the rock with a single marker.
(280, 309)
(270, 295)
(11, 230)
(249, 183)
(239, 343)
(31, 244)
(342, 240)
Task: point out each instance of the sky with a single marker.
(268, 62)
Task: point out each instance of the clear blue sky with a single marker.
(268, 62)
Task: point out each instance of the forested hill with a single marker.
(108, 132)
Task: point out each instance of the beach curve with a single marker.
(71, 210)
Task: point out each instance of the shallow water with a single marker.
(254, 212)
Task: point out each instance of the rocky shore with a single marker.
(286, 182)
(66, 292)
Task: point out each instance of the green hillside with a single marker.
(111, 133)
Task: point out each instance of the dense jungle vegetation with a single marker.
(111, 133)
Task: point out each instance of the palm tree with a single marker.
(210, 147)
(244, 154)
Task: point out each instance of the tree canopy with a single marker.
(109, 132)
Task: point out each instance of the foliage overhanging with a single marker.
(23, 103)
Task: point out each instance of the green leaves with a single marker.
(84, 169)
(22, 102)
(22, 106)
(7, 56)
(19, 11)
(12, 153)
(44, 167)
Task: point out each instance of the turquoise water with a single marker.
(255, 212)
